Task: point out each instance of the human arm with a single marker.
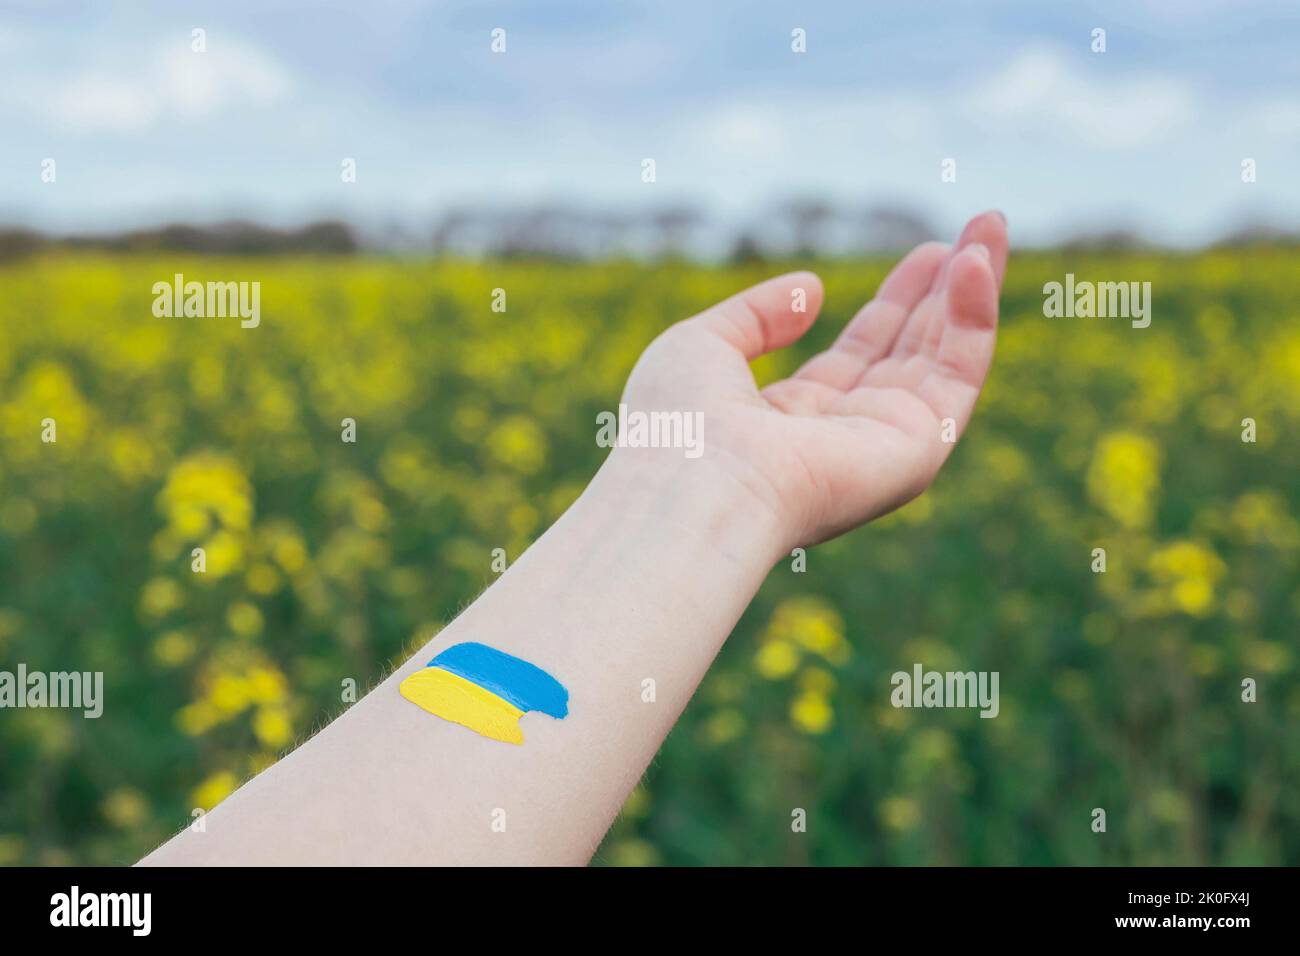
(642, 578)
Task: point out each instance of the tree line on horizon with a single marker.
(796, 227)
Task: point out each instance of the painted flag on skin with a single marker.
(485, 690)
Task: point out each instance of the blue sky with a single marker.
(1149, 135)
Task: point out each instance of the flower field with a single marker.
(325, 559)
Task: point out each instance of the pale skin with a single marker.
(644, 577)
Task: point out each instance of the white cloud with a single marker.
(176, 83)
(1044, 90)
(744, 131)
(92, 102)
(845, 126)
(199, 84)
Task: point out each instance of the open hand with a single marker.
(864, 426)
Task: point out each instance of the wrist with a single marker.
(695, 499)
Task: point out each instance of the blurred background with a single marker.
(129, 155)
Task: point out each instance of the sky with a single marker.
(1149, 135)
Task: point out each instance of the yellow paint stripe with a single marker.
(453, 698)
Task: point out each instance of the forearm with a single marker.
(642, 579)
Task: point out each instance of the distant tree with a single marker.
(809, 219)
(547, 232)
(235, 237)
(607, 234)
(673, 227)
(894, 228)
(746, 251)
(1257, 232)
(449, 227)
(329, 237)
(1104, 240)
(18, 243)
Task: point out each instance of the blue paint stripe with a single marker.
(525, 685)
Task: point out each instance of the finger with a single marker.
(938, 321)
(988, 229)
(965, 349)
(870, 334)
(767, 316)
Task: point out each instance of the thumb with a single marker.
(767, 316)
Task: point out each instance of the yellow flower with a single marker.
(11, 623)
(174, 648)
(934, 746)
(205, 487)
(262, 760)
(817, 680)
(1124, 476)
(11, 849)
(214, 789)
(518, 443)
(289, 551)
(207, 377)
(267, 685)
(637, 804)
(1193, 596)
(1005, 462)
(724, 726)
(370, 514)
(244, 619)
(1263, 517)
(917, 511)
(46, 391)
(50, 731)
(160, 597)
(262, 579)
(522, 518)
(893, 718)
(725, 686)
(1268, 657)
(230, 693)
(633, 852)
(900, 813)
(222, 555)
(468, 421)
(1189, 571)
(812, 623)
(811, 712)
(777, 659)
(132, 455)
(124, 807)
(272, 727)
(198, 718)
(1170, 806)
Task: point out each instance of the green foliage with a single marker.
(475, 429)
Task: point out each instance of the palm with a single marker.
(864, 426)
